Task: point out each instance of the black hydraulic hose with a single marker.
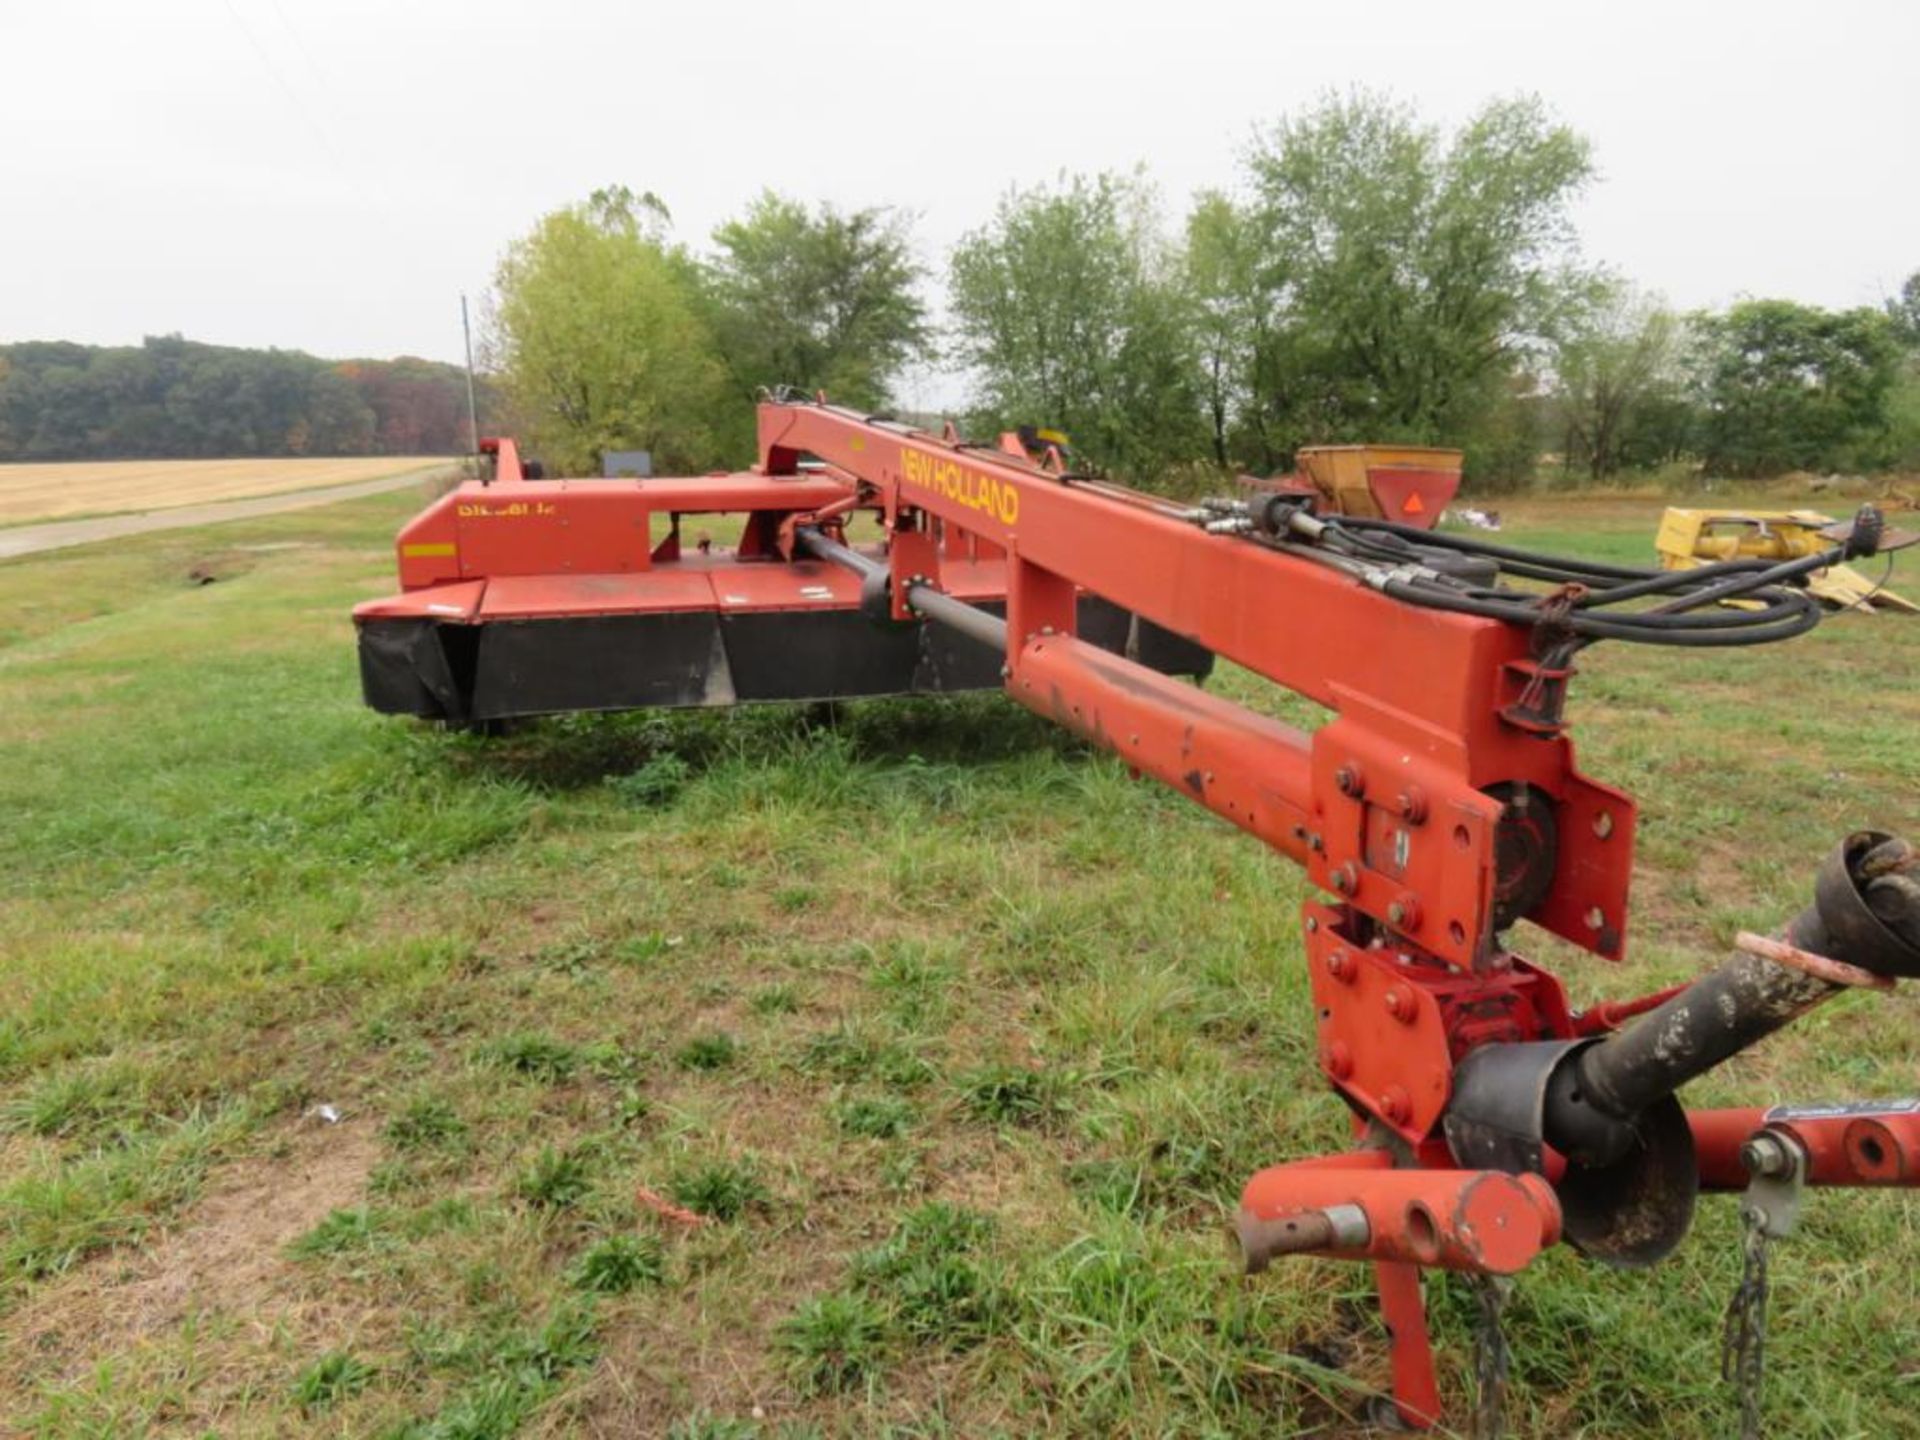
(1608, 582)
(1665, 580)
(1639, 581)
(1605, 581)
(1473, 546)
(1774, 605)
(1781, 614)
(1787, 570)
(1648, 629)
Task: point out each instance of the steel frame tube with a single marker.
(816, 544)
(1255, 772)
(1483, 1221)
(1845, 1145)
(968, 620)
(935, 605)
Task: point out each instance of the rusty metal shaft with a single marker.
(1264, 1241)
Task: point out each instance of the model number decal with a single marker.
(517, 510)
(971, 488)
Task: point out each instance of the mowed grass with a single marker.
(33, 492)
(961, 1041)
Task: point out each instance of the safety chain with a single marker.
(1491, 1358)
(1743, 1335)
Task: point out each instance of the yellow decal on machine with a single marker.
(515, 510)
(427, 551)
(974, 489)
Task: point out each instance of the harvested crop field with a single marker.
(29, 493)
(350, 1071)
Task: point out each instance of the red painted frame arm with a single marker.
(1387, 804)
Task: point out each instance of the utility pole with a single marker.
(473, 409)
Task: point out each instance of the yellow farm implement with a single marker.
(1692, 538)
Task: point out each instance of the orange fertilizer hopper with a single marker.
(1407, 484)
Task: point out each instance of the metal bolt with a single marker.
(1412, 804)
(1395, 1105)
(1401, 1005)
(1350, 782)
(1339, 1060)
(1315, 843)
(1404, 912)
(1341, 967)
(1313, 924)
(1766, 1155)
(1346, 879)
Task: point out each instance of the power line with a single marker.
(300, 44)
(293, 98)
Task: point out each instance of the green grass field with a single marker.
(964, 1042)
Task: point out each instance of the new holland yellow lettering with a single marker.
(988, 494)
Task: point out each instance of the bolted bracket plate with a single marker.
(1382, 1037)
(1779, 1169)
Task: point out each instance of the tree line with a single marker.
(174, 398)
(1370, 277)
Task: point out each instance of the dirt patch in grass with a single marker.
(228, 1257)
(685, 1360)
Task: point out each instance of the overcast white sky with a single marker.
(328, 175)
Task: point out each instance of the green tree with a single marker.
(335, 419)
(1904, 311)
(599, 341)
(820, 300)
(1903, 405)
(172, 397)
(1794, 387)
(1070, 311)
(1413, 272)
(1233, 300)
(1617, 380)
